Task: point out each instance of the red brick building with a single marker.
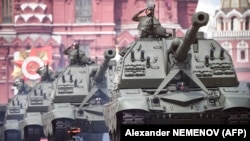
(232, 31)
(28, 25)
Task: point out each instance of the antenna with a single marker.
(84, 44)
(158, 5)
(47, 70)
(77, 46)
(152, 19)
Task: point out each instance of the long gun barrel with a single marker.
(108, 54)
(199, 19)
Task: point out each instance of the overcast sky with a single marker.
(208, 6)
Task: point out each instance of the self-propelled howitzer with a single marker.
(90, 112)
(78, 96)
(38, 102)
(15, 112)
(170, 80)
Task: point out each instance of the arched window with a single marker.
(7, 11)
(242, 54)
(247, 23)
(233, 22)
(221, 24)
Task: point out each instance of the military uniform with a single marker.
(148, 25)
(22, 87)
(76, 55)
(46, 74)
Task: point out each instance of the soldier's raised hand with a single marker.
(142, 10)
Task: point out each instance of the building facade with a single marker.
(35, 32)
(232, 31)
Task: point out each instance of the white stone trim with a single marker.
(85, 33)
(246, 13)
(40, 17)
(219, 14)
(233, 13)
(34, 24)
(7, 32)
(84, 24)
(33, 6)
(231, 34)
(242, 46)
(228, 47)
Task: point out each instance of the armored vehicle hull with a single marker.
(38, 102)
(14, 114)
(186, 80)
(12, 131)
(23, 120)
(3, 109)
(78, 97)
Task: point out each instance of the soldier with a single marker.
(148, 25)
(46, 73)
(21, 86)
(71, 51)
(148, 12)
(76, 55)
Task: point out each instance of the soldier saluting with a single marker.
(76, 55)
(149, 25)
(148, 12)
